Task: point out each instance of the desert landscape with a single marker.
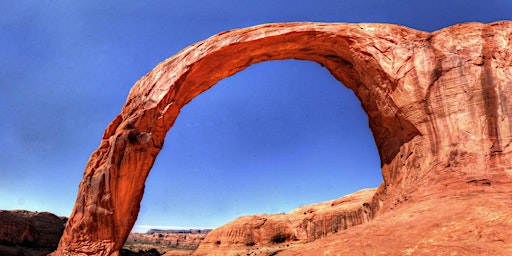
(38, 233)
(438, 109)
(31, 233)
(166, 242)
(470, 224)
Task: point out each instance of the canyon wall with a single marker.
(29, 233)
(437, 105)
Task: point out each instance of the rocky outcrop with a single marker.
(438, 106)
(478, 223)
(29, 233)
(302, 225)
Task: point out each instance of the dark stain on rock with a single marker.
(490, 99)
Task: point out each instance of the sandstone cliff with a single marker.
(29, 233)
(438, 107)
(265, 233)
(478, 223)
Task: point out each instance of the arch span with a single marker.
(401, 76)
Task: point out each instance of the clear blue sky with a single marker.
(271, 138)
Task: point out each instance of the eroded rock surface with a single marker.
(478, 223)
(438, 106)
(29, 233)
(265, 233)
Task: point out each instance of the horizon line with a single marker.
(146, 228)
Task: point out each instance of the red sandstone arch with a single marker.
(422, 93)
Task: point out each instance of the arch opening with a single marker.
(109, 197)
(276, 136)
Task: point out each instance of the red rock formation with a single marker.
(478, 223)
(29, 233)
(302, 225)
(437, 105)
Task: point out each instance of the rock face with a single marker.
(438, 106)
(29, 233)
(266, 233)
(478, 223)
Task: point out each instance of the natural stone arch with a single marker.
(401, 76)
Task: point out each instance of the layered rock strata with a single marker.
(438, 106)
(302, 225)
(477, 223)
(29, 233)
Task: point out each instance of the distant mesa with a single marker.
(165, 242)
(438, 104)
(178, 231)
